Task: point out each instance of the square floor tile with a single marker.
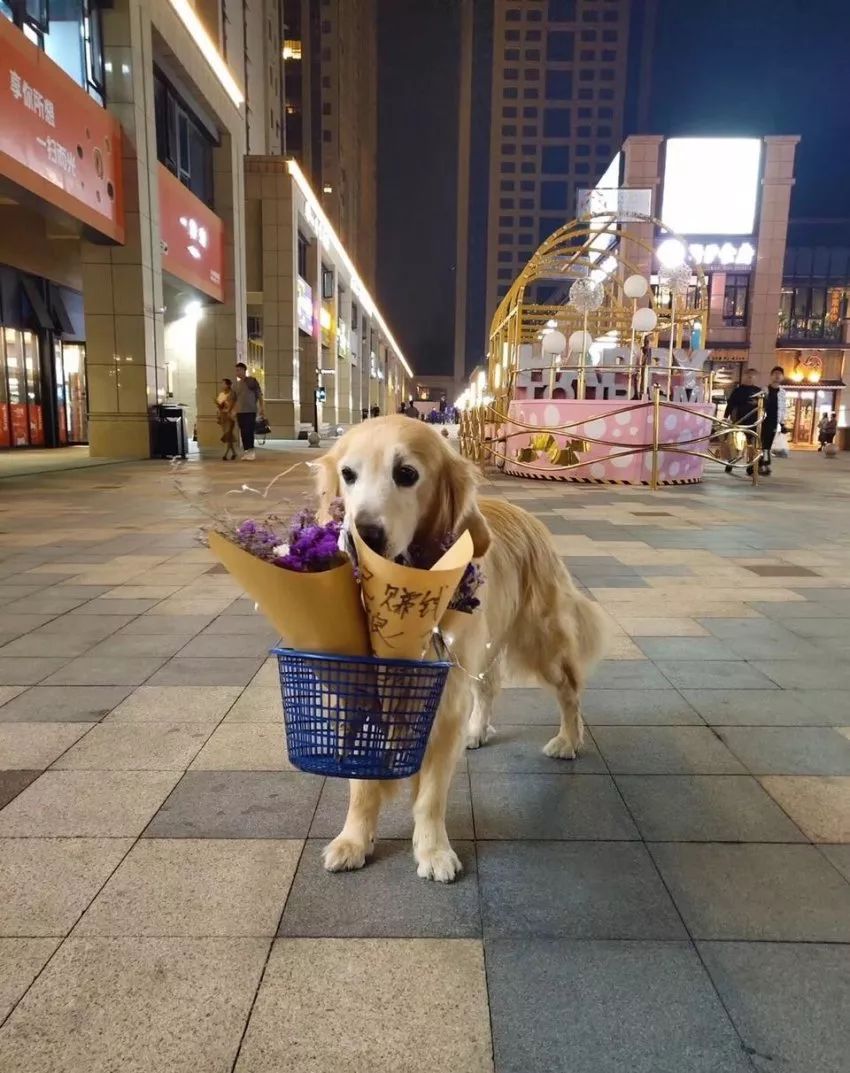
(106, 671)
(839, 856)
(95, 627)
(645, 707)
(627, 674)
(228, 646)
(37, 745)
(789, 750)
(589, 1007)
(245, 747)
(136, 1005)
(12, 782)
(238, 804)
(63, 704)
(137, 747)
(600, 890)
(257, 704)
(8, 693)
(396, 818)
(21, 960)
(712, 674)
(688, 648)
(186, 625)
(28, 671)
(549, 807)
(50, 645)
(175, 704)
(437, 987)
(46, 883)
(386, 899)
(165, 645)
(664, 751)
(788, 1001)
(780, 893)
(807, 674)
(520, 749)
(662, 627)
(70, 804)
(208, 887)
(705, 808)
(756, 707)
(518, 705)
(210, 672)
(819, 805)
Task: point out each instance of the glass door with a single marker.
(5, 424)
(17, 387)
(32, 366)
(71, 400)
(803, 411)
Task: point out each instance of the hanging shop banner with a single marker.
(55, 141)
(191, 237)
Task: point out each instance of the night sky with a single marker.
(733, 67)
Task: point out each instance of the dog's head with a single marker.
(402, 485)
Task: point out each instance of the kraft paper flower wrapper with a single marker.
(318, 612)
(404, 604)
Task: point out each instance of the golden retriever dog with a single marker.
(404, 485)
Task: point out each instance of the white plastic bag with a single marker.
(780, 445)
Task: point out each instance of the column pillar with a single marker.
(642, 172)
(122, 285)
(222, 330)
(766, 284)
(343, 365)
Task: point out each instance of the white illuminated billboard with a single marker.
(711, 185)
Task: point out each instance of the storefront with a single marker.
(813, 386)
(42, 363)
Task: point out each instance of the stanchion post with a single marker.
(656, 432)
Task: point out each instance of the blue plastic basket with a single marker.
(358, 717)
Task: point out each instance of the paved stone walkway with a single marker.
(676, 901)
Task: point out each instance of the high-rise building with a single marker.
(547, 78)
(331, 113)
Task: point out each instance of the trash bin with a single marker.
(169, 432)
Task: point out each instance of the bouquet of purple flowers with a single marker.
(308, 547)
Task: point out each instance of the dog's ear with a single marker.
(457, 508)
(327, 483)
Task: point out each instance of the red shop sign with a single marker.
(191, 236)
(55, 141)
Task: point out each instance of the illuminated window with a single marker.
(292, 50)
(736, 299)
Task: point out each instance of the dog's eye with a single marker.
(348, 475)
(405, 476)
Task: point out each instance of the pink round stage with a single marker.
(626, 426)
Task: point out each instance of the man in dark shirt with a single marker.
(742, 405)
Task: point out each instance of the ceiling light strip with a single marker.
(202, 39)
(356, 282)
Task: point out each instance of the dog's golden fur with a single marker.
(532, 619)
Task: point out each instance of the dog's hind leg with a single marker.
(484, 692)
(434, 855)
(561, 677)
(356, 840)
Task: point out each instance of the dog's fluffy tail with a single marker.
(593, 631)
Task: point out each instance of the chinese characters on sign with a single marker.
(31, 98)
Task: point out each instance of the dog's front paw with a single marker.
(560, 747)
(442, 865)
(479, 736)
(345, 855)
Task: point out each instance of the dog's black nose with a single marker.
(374, 536)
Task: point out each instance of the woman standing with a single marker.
(225, 403)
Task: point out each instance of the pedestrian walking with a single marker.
(249, 403)
(225, 404)
(742, 406)
(774, 416)
(827, 429)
